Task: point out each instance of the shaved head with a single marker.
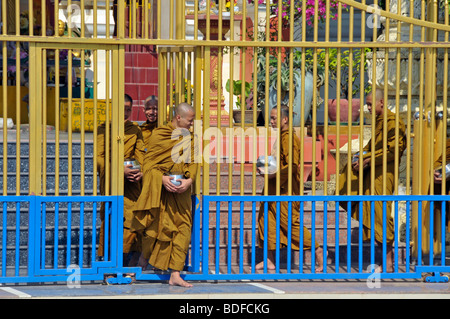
(184, 109)
(375, 101)
(379, 94)
(184, 116)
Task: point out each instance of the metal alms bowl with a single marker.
(133, 162)
(356, 156)
(447, 171)
(271, 163)
(176, 179)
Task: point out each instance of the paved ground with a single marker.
(391, 289)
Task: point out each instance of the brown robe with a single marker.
(378, 182)
(284, 206)
(165, 219)
(147, 129)
(133, 148)
(438, 186)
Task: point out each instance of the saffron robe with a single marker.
(284, 206)
(147, 129)
(378, 181)
(133, 148)
(438, 186)
(164, 218)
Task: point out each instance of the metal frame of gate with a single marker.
(410, 267)
(37, 204)
(37, 242)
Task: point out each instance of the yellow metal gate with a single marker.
(319, 58)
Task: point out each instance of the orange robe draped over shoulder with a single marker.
(378, 178)
(165, 218)
(133, 148)
(285, 153)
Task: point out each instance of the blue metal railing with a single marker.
(49, 240)
(44, 236)
(216, 269)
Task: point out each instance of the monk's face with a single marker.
(151, 111)
(274, 117)
(185, 120)
(378, 105)
(128, 110)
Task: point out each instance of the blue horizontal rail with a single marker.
(48, 238)
(405, 263)
(43, 237)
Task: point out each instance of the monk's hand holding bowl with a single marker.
(166, 181)
(185, 184)
(131, 174)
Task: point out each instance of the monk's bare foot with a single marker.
(319, 258)
(143, 263)
(176, 280)
(270, 265)
(389, 269)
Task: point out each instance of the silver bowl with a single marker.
(133, 162)
(447, 171)
(356, 156)
(176, 179)
(271, 164)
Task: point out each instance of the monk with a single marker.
(133, 149)
(164, 217)
(285, 153)
(439, 173)
(151, 114)
(375, 103)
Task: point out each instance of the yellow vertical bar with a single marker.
(171, 88)
(409, 108)
(70, 121)
(5, 103)
(350, 103)
(43, 89)
(266, 102)
(145, 24)
(95, 20)
(302, 106)
(197, 100)
(57, 124)
(43, 20)
(386, 65)
(35, 116)
(171, 17)
(206, 121)
(218, 136)
(108, 22)
(243, 109)
(338, 97)
(133, 22)
(255, 98)
(158, 18)
(4, 19)
(361, 99)
(314, 100)
(83, 26)
(69, 19)
(326, 97)
(18, 117)
(373, 123)
(230, 125)
(117, 127)
(162, 88)
(82, 129)
(445, 102)
(95, 130)
(107, 127)
(31, 17)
